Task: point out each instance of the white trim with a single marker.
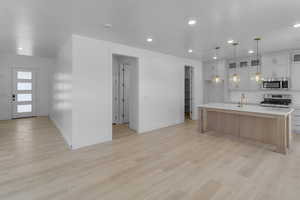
(68, 141)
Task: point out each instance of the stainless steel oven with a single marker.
(277, 100)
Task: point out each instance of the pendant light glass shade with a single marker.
(257, 77)
(216, 78)
(258, 74)
(235, 77)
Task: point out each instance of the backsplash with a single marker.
(257, 96)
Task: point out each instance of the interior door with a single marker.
(191, 71)
(124, 93)
(23, 93)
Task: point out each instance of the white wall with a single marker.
(197, 85)
(161, 89)
(41, 65)
(133, 94)
(61, 92)
(92, 92)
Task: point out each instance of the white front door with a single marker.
(23, 93)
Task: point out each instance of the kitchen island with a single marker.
(263, 124)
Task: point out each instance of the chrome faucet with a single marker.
(242, 100)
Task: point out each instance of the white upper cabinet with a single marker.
(253, 85)
(232, 85)
(211, 69)
(276, 65)
(295, 76)
(244, 78)
(222, 69)
(295, 71)
(246, 74)
(208, 71)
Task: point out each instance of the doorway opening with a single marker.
(125, 96)
(23, 93)
(188, 92)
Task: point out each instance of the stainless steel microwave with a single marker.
(276, 84)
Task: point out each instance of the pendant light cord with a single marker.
(235, 55)
(257, 54)
(217, 58)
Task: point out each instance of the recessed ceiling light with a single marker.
(230, 41)
(107, 26)
(20, 48)
(251, 51)
(149, 39)
(296, 25)
(215, 57)
(192, 22)
(190, 50)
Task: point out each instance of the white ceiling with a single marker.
(41, 25)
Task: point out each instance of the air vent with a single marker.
(232, 65)
(254, 63)
(244, 64)
(296, 58)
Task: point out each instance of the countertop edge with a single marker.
(249, 111)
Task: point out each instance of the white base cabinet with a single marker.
(296, 120)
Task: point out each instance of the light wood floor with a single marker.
(170, 164)
(121, 130)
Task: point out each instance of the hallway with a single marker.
(122, 130)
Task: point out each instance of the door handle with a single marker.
(14, 97)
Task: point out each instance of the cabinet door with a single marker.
(232, 85)
(208, 71)
(253, 85)
(275, 66)
(295, 79)
(244, 79)
(222, 69)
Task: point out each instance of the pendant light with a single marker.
(235, 77)
(216, 78)
(258, 73)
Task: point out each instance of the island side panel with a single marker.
(202, 121)
(281, 135)
(289, 131)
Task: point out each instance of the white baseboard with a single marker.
(82, 145)
(67, 140)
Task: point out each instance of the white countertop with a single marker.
(249, 108)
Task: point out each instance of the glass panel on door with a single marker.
(24, 97)
(24, 86)
(24, 108)
(24, 75)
